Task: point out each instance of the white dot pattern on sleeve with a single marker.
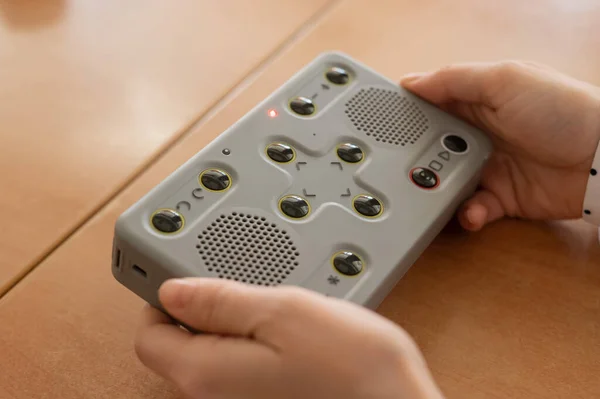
(591, 201)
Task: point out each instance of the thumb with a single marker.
(481, 209)
(216, 306)
(469, 83)
(225, 307)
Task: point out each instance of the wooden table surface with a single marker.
(511, 312)
(91, 91)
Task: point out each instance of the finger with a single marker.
(482, 117)
(221, 306)
(202, 364)
(481, 209)
(158, 342)
(153, 316)
(472, 83)
(227, 367)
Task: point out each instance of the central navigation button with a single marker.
(280, 152)
(350, 153)
(368, 206)
(294, 206)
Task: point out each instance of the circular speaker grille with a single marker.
(386, 116)
(247, 248)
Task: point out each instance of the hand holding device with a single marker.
(545, 127)
(278, 342)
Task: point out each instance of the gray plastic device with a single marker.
(337, 182)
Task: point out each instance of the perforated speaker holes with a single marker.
(247, 248)
(386, 116)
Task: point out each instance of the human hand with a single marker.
(545, 128)
(277, 342)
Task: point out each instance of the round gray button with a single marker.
(424, 178)
(338, 75)
(215, 180)
(280, 152)
(367, 205)
(455, 143)
(350, 153)
(167, 221)
(294, 206)
(302, 106)
(347, 263)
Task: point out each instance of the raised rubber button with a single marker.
(350, 153)
(302, 106)
(348, 263)
(215, 180)
(367, 205)
(294, 206)
(167, 221)
(280, 152)
(455, 143)
(424, 178)
(338, 75)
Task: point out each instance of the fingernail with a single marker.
(412, 77)
(476, 217)
(176, 293)
(471, 218)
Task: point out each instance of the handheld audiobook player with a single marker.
(337, 183)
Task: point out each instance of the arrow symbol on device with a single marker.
(324, 86)
(307, 194)
(338, 164)
(347, 194)
(444, 155)
(299, 163)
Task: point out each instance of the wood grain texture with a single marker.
(92, 90)
(511, 312)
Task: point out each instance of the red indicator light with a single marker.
(272, 113)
